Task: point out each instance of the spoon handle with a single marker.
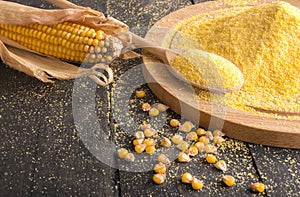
(153, 49)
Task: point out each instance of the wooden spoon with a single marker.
(167, 55)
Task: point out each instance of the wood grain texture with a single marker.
(236, 124)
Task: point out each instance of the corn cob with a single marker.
(67, 41)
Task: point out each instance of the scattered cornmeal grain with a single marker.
(264, 43)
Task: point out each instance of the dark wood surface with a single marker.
(43, 153)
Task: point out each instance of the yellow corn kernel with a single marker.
(200, 146)
(204, 139)
(160, 168)
(165, 142)
(159, 178)
(145, 126)
(161, 107)
(149, 142)
(150, 132)
(137, 141)
(139, 135)
(192, 136)
(186, 177)
(228, 180)
(129, 157)
(218, 133)
(174, 123)
(209, 135)
(210, 158)
(122, 152)
(192, 151)
(162, 158)
(153, 112)
(218, 140)
(150, 149)
(176, 139)
(196, 184)
(146, 107)
(258, 187)
(183, 145)
(200, 132)
(221, 165)
(183, 157)
(140, 94)
(212, 149)
(140, 148)
(186, 126)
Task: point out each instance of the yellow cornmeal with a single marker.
(208, 70)
(264, 43)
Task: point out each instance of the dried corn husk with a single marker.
(47, 68)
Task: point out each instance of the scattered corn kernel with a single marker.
(153, 112)
(159, 178)
(129, 157)
(258, 187)
(228, 180)
(149, 142)
(139, 135)
(200, 146)
(200, 132)
(204, 139)
(218, 133)
(163, 159)
(161, 107)
(146, 107)
(165, 142)
(183, 145)
(186, 126)
(209, 135)
(209, 148)
(218, 140)
(174, 123)
(145, 126)
(211, 158)
(137, 141)
(140, 148)
(196, 184)
(176, 139)
(192, 136)
(183, 157)
(122, 152)
(186, 177)
(160, 168)
(150, 149)
(140, 94)
(192, 151)
(150, 132)
(221, 165)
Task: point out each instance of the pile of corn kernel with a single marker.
(264, 43)
(191, 142)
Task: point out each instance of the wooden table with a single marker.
(42, 152)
